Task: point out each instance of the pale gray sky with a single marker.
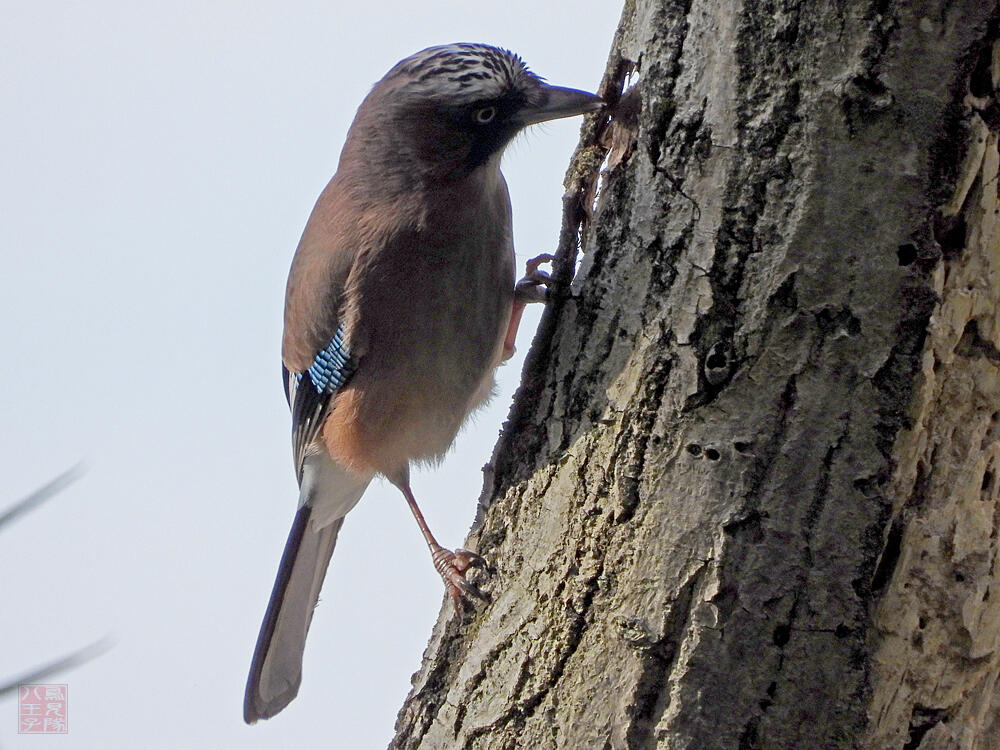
(157, 164)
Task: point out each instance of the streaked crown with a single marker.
(464, 72)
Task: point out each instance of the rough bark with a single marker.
(747, 494)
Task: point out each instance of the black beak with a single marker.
(555, 102)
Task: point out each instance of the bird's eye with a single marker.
(485, 115)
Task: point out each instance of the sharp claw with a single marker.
(532, 265)
(533, 287)
(472, 590)
(452, 566)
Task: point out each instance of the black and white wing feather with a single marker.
(309, 393)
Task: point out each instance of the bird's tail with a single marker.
(276, 669)
(327, 492)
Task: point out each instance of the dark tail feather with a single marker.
(276, 669)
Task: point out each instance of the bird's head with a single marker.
(452, 109)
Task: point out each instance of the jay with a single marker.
(400, 304)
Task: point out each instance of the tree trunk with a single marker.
(747, 496)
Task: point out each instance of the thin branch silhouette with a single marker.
(81, 656)
(75, 658)
(42, 494)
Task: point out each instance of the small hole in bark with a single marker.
(986, 595)
(694, 449)
(782, 633)
(712, 455)
(959, 577)
(866, 95)
(906, 253)
(869, 485)
(741, 446)
(717, 363)
(987, 480)
(922, 622)
(842, 631)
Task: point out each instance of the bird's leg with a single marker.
(451, 566)
(531, 288)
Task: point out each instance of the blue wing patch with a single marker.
(309, 393)
(332, 367)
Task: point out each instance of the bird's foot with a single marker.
(533, 286)
(452, 566)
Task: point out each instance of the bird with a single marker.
(400, 304)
